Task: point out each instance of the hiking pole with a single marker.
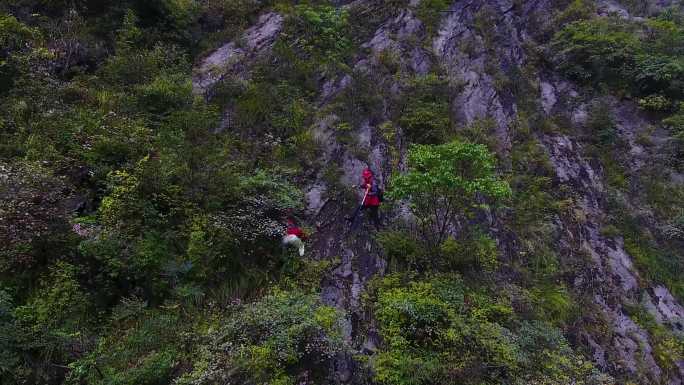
(358, 209)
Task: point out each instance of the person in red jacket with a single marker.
(372, 198)
(294, 236)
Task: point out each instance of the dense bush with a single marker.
(602, 49)
(430, 12)
(15, 40)
(424, 112)
(114, 184)
(438, 330)
(140, 346)
(676, 148)
(640, 58)
(11, 338)
(315, 41)
(52, 327)
(283, 338)
(446, 183)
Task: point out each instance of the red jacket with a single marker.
(293, 229)
(372, 198)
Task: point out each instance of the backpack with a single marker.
(378, 192)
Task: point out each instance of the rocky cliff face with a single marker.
(473, 45)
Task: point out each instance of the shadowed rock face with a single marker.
(467, 57)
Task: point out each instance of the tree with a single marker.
(447, 182)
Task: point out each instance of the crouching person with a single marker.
(294, 237)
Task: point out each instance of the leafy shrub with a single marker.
(481, 131)
(10, 342)
(137, 199)
(554, 303)
(140, 346)
(223, 19)
(444, 183)
(634, 57)
(135, 63)
(655, 103)
(16, 39)
(426, 122)
(602, 49)
(576, 10)
(658, 73)
(550, 359)
(400, 248)
(424, 112)
(60, 303)
(601, 124)
(360, 100)
(167, 20)
(55, 321)
(476, 249)
(275, 340)
(14, 34)
(308, 274)
(318, 36)
(115, 143)
(438, 330)
(279, 110)
(165, 94)
(533, 201)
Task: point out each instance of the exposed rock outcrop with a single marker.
(236, 56)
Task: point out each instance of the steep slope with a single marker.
(531, 155)
(477, 45)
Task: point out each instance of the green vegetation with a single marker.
(641, 59)
(676, 148)
(320, 33)
(439, 329)
(669, 348)
(430, 13)
(657, 263)
(444, 184)
(140, 222)
(271, 340)
(122, 195)
(424, 114)
(315, 42)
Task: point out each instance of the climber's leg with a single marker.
(375, 216)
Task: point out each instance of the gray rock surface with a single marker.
(234, 57)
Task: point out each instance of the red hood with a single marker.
(367, 174)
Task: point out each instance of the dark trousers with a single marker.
(374, 215)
